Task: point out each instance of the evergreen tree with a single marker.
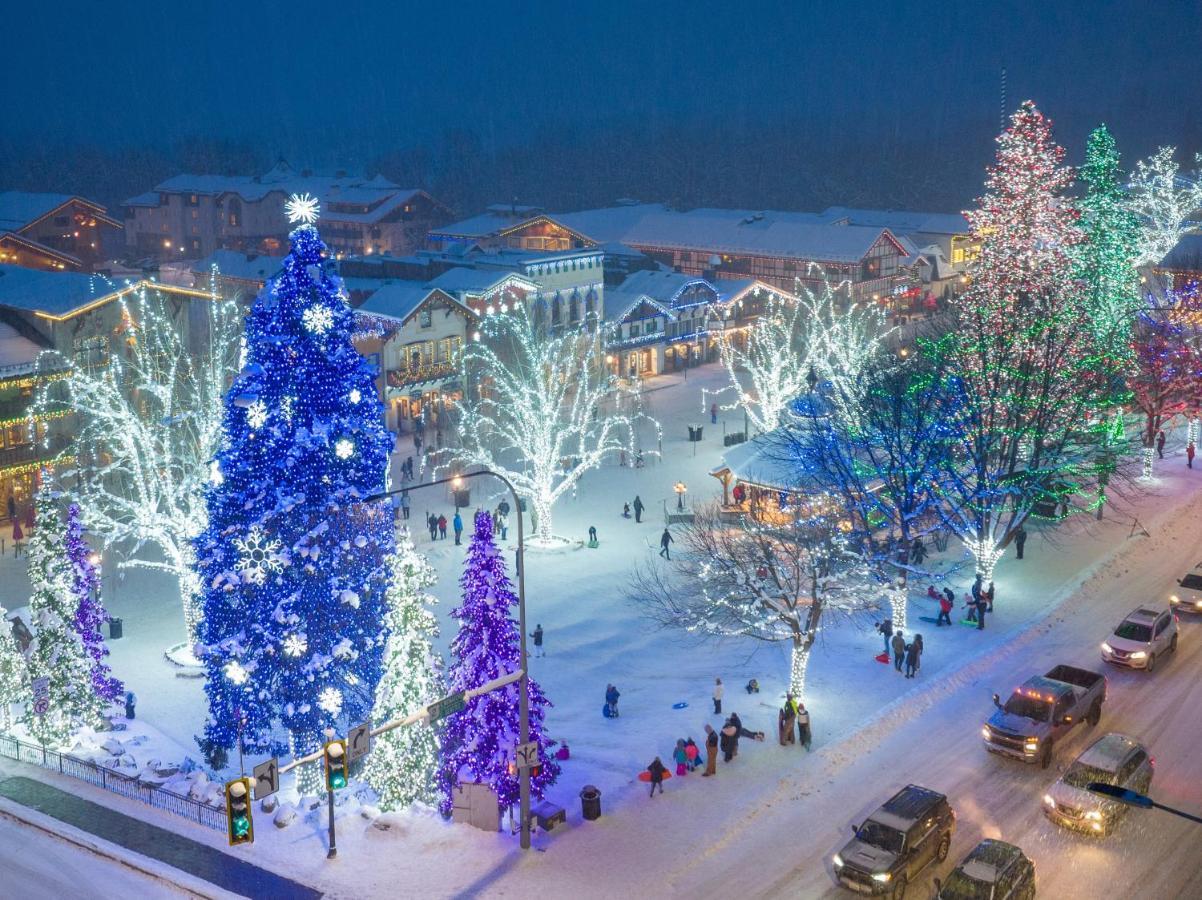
(14, 678)
(293, 567)
(90, 614)
(402, 764)
(1105, 259)
(478, 741)
(59, 667)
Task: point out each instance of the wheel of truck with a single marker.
(899, 888)
(1151, 662)
(1095, 714)
(1045, 758)
(944, 846)
(1173, 644)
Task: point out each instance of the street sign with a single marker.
(41, 695)
(358, 742)
(525, 756)
(446, 706)
(267, 778)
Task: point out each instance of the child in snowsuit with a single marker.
(803, 726)
(657, 771)
(681, 757)
(945, 611)
(693, 753)
(711, 752)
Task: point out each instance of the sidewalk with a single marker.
(204, 862)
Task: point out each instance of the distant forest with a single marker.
(780, 166)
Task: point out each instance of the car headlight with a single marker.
(1094, 816)
(1049, 800)
(1174, 599)
(837, 860)
(1106, 648)
(1139, 654)
(1031, 745)
(985, 732)
(1198, 603)
(882, 877)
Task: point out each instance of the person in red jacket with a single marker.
(945, 611)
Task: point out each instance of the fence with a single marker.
(85, 770)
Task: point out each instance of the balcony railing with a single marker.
(401, 377)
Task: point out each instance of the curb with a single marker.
(190, 885)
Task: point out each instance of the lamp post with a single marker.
(523, 683)
(680, 489)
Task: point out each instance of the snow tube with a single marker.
(646, 776)
(605, 711)
(681, 705)
(882, 658)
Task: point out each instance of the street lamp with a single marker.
(523, 682)
(680, 489)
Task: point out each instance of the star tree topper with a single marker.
(302, 208)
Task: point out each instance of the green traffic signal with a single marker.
(237, 812)
(335, 761)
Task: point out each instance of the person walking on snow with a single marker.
(729, 741)
(945, 611)
(1020, 541)
(638, 508)
(899, 650)
(504, 510)
(911, 659)
(664, 540)
(537, 634)
(988, 596)
(886, 630)
(657, 771)
(404, 504)
(458, 524)
(918, 551)
(718, 696)
(803, 726)
(611, 700)
(711, 752)
(1189, 455)
(1160, 444)
(625, 510)
(785, 720)
(713, 413)
(682, 759)
(693, 753)
(592, 536)
(442, 527)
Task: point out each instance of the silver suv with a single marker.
(1114, 759)
(1140, 638)
(1188, 597)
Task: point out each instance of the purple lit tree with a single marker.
(90, 614)
(478, 742)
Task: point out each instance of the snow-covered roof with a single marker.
(13, 237)
(610, 223)
(396, 299)
(474, 281)
(375, 214)
(733, 288)
(758, 462)
(900, 220)
(662, 284)
(478, 226)
(1186, 255)
(236, 264)
(52, 292)
(1108, 752)
(19, 208)
(18, 354)
(281, 178)
(767, 237)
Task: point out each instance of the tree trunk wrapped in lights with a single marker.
(770, 576)
(293, 565)
(1165, 203)
(542, 410)
(149, 424)
(14, 674)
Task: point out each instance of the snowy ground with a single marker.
(594, 636)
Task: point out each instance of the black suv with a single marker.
(994, 870)
(896, 842)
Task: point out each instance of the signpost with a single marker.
(267, 778)
(41, 696)
(358, 742)
(446, 706)
(525, 756)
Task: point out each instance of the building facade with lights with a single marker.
(191, 216)
(55, 232)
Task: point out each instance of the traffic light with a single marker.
(237, 812)
(335, 759)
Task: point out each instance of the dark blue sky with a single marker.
(343, 81)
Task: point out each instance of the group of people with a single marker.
(794, 714)
(977, 602)
(909, 654)
(437, 526)
(638, 509)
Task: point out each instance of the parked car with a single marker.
(1140, 638)
(1114, 759)
(994, 870)
(894, 844)
(1041, 712)
(1188, 597)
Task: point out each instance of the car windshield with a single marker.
(1028, 707)
(1133, 631)
(878, 835)
(1192, 582)
(1081, 775)
(960, 887)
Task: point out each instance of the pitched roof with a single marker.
(18, 209)
(397, 299)
(18, 354)
(327, 188)
(236, 264)
(609, 223)
(52, 292)
(901, 220)
(474, 281)
(1186, 255)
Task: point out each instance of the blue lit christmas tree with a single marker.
(478, 742)
(293, 568)
(90, 614)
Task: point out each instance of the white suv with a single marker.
(1140, 638)
(1189, 596)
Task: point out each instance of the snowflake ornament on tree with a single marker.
(256, 415)
(318, 319)
(302, 209)
(259, 556)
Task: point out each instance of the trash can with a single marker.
(114, 629)
(590, 802)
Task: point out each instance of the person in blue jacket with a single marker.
(611, 701)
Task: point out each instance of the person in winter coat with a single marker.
(899, 650)
(625, 510)
(505, 523)
(713, 413)
(918, 551)
(664, 540)
(911, 659)
(611, 700)
(711, 752)
(693, 753)
(729, 741)
(18, 536)
(950, 594)
(785, 720)
(432, 525)
(131, 701)
(918, 642)
(1160, 444)
(945, 610)
(744, 732)
(1189, 455)
(638, 508)
(457, 522)
(718, 689)
(537, 634)
(682, 759)
(988, 597)
(803, 726)
(1020, 541)
(886, 630)
(982, 606)
(592, 535)
(657, 771)
(932, 594)
(404, 504)
(442, 527)
(971, 605)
